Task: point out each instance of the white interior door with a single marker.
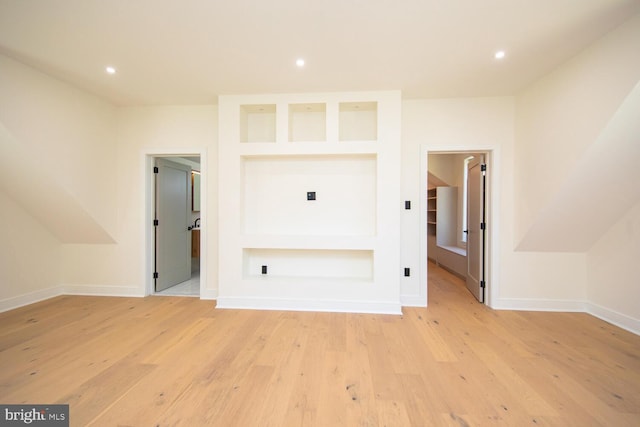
(476, 226)
(173, 215)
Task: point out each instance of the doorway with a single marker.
(174, 206)
(457, 216)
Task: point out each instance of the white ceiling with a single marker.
(191, 51)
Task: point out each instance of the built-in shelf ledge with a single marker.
(454, 249)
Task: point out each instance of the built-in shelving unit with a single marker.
(432, 210)
(432, 220)
(309, 203)
(442, 215)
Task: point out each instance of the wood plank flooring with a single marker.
(172, 361)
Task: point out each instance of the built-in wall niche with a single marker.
(276, 200)
(258, 123)
(307, 122)
(308, 263)
(358, 121)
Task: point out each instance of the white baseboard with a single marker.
(208, 294)
(103, 291)
(334, 306)
(29, 298)
(615, 318)
(44, 294)
(532, 304)
(611, 316)
(413, 301)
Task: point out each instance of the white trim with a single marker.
(336, 306)
(103, 291)
(517, 304)
(614, 317)
(208, 294)
(45, 294)
(535, 304)
(30, 298)
(412, 301)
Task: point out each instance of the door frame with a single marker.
(493, 197)
(148, 159)
(166, 272)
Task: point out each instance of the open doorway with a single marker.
(457, 216)
(175, 208)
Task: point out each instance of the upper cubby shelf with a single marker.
(258, 123)
(358, 121)
(307, 122)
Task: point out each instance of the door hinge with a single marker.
(156, 222)
(483, 284)
(483, 167)
(407, 272)
(483, 225)
(155, 274)
(155, 169)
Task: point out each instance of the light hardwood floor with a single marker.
(163, 361)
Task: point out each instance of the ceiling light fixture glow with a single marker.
(110, 70)
(300, 62)
(499, 54)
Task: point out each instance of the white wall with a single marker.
(613, 284)
(56, 142)
(576, 157)
(560, 116)
(29, 257)
(144, 131)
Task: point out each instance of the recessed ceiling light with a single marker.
(499, 54)
(110, 70)
(300, 62)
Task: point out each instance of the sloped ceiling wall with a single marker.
(57, 153)
(577, 146)
(35, 187)
(601, 188)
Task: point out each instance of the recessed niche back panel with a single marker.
(358, 121)
(308, 263)
(258, 123)
(307, 122)
(331, 195)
